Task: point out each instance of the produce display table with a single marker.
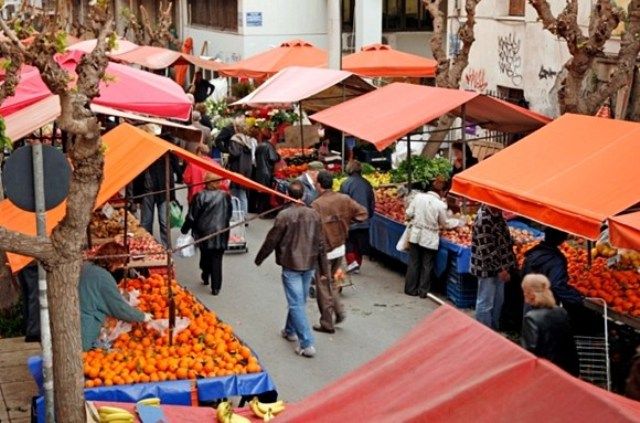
(613, 315)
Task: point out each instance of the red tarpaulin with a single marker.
(161, 58)
(573, 174)
(624, 231)
(87, 46)
(129, 151)
(126, 88)
(289, 53)
(451, 369)
(383, 116)
(383, 61)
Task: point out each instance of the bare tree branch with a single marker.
(37, 247)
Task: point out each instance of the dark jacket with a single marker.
(297, 238)
(223, 139)
(202, 90)
(266, 158)
(99, 298)
(240, 157)
(209, 212)
(337, 211)
(154, 179)
(491, 245)
(547, 333)
(358, 188)
(549, 261)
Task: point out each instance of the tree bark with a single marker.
(9, 295)
(449, 71)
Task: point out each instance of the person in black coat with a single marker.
(266, 159)
(546, 328)
(462, 158)
(210, 212)
(359, 189)
(240, 161)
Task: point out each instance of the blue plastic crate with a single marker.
(462, 289)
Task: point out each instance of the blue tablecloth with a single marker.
(384, 234)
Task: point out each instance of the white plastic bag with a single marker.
(403, 242)
(161, 325)
(185, 252)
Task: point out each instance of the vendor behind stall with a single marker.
(99, 295)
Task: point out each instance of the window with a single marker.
(405, 15)
(218, 14)
(348, 8)
(516, 7)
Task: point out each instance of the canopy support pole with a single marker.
(301, 128)
(45, 326)
(463, 139)
(410, 169)
(344, 169)
(589, 258)
(172, 306)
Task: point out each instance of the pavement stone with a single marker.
(17, 397)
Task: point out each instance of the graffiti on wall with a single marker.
(509, 58)
(546, 73)
(475, 80)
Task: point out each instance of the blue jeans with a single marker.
(489, 302)
(241, 194)
(147, 207)
(296, 288)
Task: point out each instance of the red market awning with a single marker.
(319, 88)
(624, 231)
(160, 58)
(136, 90)
(122, 144)
(379, 60)
(573, 174)
(289, 53)
(31, 118)
(452, 369)
(383, 116)
(87, 46)
(30, 90)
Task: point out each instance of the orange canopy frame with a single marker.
(450, 368)
(573, 174)
(160, 58)
(130, 151)
(624, 231)
(379, 60)
(383, 116)
(289, 53)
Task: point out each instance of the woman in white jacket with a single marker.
(426, 214)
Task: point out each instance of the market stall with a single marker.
(624, 231)
(380, 60)
(289, 53)
(497, 381)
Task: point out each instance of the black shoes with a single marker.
(319, 328)
(215, 291)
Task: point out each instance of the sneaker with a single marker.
(340, 318)
(353, 268)
(308, 352)
(288, 336)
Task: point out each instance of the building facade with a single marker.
(513, 57)
(231, 30)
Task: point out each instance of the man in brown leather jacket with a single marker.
(337, 211)
(298, 241)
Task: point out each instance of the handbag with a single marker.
(403, 242)
(188, 251)
(176, 219)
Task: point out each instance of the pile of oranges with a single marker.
(619, 288)
(206, 349)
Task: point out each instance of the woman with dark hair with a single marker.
(462, 161)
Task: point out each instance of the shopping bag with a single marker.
(176, 219)
(403, 242)
(188, 251)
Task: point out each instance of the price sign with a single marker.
(612, 261)
(108, 211)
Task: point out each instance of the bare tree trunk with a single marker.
(449, 70)
(9, 295)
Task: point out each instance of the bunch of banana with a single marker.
(266, 411)
(225, 414)
(114, 415)
(153, 401)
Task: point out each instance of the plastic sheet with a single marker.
(236, 385)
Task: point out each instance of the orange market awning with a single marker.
(379, 60)
(123, 143)
(573, 174)
(319, 88)
(289, 53)
(160, 58)
(383, 116)
(624, 231)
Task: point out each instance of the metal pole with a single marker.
(45, 327)
(410, 170)
(342, 132)
(301, 128)
(172, 305)
(463, 136)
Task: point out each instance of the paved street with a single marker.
(252, 300)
